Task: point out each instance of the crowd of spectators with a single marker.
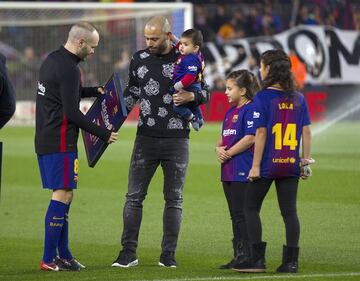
(26, 47)
(218, 22)
(344, 14)
(225, 21)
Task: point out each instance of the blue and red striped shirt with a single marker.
(284, 117)
(238, 123)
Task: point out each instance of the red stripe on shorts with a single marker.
(66, 171)
(63, 134)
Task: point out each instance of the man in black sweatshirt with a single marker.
(58, 119)
(7, 95)
(162, 139)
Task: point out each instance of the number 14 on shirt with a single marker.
(289, 138)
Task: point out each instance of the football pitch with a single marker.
(328, 207)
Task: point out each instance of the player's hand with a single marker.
(305, 169)
(254, 174)
(101, 90)
(182, 97)
(113, 137)
(221, 154)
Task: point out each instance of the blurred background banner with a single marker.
(331, 56)
(31, 30)
(321, 37)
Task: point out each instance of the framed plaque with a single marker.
(108, 111)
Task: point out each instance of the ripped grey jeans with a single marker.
(173, 156)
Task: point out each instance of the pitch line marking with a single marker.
(283, 276)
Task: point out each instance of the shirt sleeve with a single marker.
(306, 113)
(88, 92)
(249, 126)
(186, 81)
(132, 90)
(259, 114)
(69, 89)
(177, 45)
(7, 98)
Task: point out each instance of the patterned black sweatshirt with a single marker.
(150, 78)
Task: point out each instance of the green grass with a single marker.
(328, 207)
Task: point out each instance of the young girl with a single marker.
(234, 151)
(281, 119)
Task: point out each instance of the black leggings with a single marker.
(286, 189)
(235, 193)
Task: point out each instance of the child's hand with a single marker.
(305, 172)
(305, 169)
(173, 38)
(254, 173)
(221, 154)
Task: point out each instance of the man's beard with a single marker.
(159, 50)
(82, 54)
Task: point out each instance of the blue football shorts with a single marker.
(59, 170)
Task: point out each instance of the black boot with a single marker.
(231, 263)
(243, 252)
(289, 260)
(256, 261)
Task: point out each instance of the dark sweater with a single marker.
(150, 79)
(58, 117)
(7, 95)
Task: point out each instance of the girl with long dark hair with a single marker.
(282, 121)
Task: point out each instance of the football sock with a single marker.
(63, 246)
(54, 221)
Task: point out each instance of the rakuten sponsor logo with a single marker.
(192, 68)
(229, 132)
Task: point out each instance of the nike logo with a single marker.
(56, 218)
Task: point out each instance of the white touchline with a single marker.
(260, 277)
